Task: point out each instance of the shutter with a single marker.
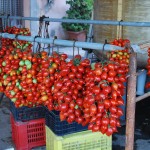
(12, 7)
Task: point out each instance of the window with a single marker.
(12, 7)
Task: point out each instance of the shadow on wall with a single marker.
(52, 9)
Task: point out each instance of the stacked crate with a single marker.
(28, 127)
(63, 136)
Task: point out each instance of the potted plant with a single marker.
(79, 9)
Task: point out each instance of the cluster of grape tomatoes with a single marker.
(147, 86)
(120, 56)
(90, 94)
(17, 43)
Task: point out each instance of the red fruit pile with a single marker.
(103, 96)
(17, 43)
(120, 42)
(120, 56)
(88, 94)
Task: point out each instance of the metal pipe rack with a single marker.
(131, 99)
(96, 22)
(96, 46)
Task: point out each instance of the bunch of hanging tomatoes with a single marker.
(17, 43)
(120, 56)
(90, 96)
(147, 86)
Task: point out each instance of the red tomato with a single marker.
(98, 71)
(109, 131)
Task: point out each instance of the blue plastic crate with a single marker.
(59, 127)
(25, 113)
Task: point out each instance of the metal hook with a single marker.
(35, 38)
(47, 22)
(57, 49)
(41, 19)
(34, 43)
(74, 47)
(46, 34)
(104, 44)
(38, 45)
(1, 36)
(55, 37)
(16, 36)
(103, 49)
(49, 49)
(119, 31)
(120, 22)
(78, 50)
(21, 22)
(8, 15)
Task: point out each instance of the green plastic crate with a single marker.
(85, 140)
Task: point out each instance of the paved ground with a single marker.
(5, 132)
(142, 129)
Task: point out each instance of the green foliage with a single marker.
(79, 9)
(90, 2)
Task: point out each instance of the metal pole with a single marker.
(131, 103)
(139, 98)
(98, 22)
(96, 46)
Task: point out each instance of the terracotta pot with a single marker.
(78, 36)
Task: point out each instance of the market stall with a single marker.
(28, 62)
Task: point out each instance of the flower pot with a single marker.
(77, 36)
(141, 79)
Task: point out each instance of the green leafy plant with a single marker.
(79, 9)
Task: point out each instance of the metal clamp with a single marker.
(120, 22)
(36, 37)
(38, 45)
(120, 31)
(103, 49)
(41, 19)
(16, 36)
